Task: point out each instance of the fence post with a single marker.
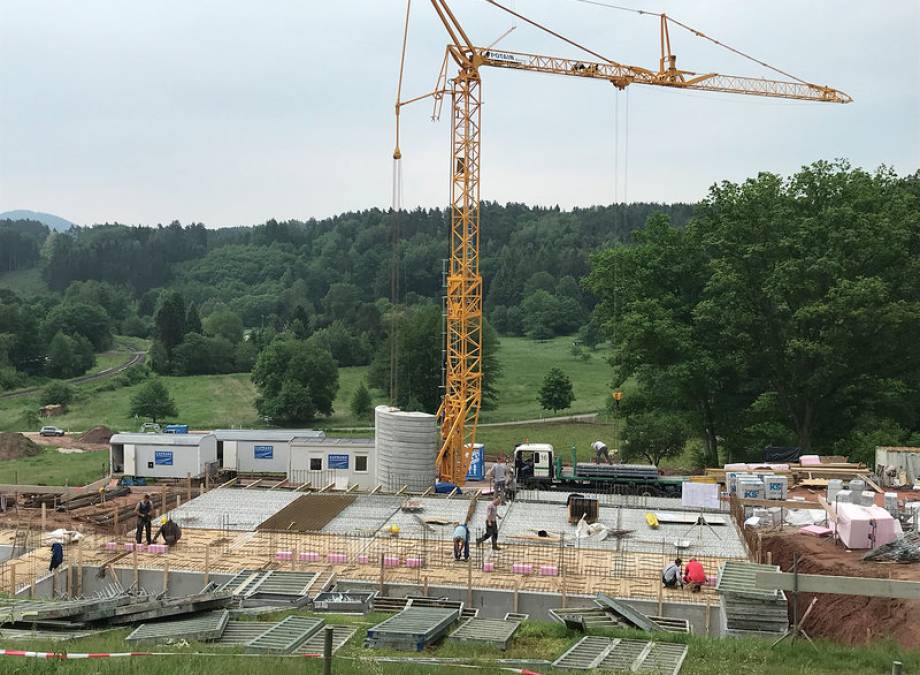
(327, 650)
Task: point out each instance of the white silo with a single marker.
(406, 448)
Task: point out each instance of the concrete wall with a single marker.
(178, 583)
(492, 603)
(495, 603)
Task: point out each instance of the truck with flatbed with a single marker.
(538, 466)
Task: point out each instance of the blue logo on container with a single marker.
(163, 457)
(337, 461)
(263, 451)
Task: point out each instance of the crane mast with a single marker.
(458, 414)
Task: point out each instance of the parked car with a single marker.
(51, 431)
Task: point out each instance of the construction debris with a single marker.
(492, 632)
(905, 549)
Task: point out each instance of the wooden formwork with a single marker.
(383, 560)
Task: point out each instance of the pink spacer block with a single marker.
(413, 562)
(284, 555)
(363, 559)
(111, 546)
(337, 558)
(309, 556)
(391, 561)
(549, 571)
(522, 568)
(488, 567)
(132, 547)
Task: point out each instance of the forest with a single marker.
(779, 310)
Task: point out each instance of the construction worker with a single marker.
(57, 556)
(600, 450)
(491, 524)
(462, 541)
(695, 576)
(144, 513)
(170, 530)
(500, 474)
(670, 576)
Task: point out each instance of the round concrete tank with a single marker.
(406, 446)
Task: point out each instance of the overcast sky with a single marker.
(229, 112)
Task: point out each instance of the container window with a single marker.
(361, 463)
(316, 464)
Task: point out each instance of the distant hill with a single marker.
(52, 221)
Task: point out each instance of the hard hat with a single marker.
(163, 520)
(394, 528)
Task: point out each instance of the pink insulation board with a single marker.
(855, 526)
(522, 568)
(815, 530)
(363, 559)
(337, 558)
(488, 567)
(284, 555)
(309, 556)
(809, 460)
(413, 562)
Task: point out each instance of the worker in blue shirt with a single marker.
(462, 541)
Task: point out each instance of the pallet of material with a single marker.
(201, 628)
(493, 632)
(414, 628)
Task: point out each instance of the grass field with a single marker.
(209, 401)
(54, 468)
(535, 640)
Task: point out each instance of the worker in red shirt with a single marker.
(694, 576)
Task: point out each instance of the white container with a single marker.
(776, 486)
(856, 486)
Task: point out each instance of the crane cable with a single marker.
(396, 208)
(697, 33)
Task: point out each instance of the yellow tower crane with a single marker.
(459, 411)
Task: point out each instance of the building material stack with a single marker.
(745, 608)
(414, 628)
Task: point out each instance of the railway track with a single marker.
(136, 357)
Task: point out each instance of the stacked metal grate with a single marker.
(745, 609)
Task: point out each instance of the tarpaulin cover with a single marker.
(780, 453)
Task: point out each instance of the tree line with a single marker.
(784, 313)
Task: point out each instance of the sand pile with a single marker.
(100, 435)
(14, 446)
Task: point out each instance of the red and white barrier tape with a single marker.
(69, 655)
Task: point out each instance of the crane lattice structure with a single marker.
(459, 411)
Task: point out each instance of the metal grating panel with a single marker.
(632, 616)
(241, 632)
(315, 644)
(205, 627)
(413, 628)
(585, 654)
(277, 583)
(286, 635)
(738, 578)
(491, 631)
(631, 656)
(599, 617)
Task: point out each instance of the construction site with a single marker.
(400, 552)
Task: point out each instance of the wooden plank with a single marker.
(817, 583)
(831, 513)
(779, 503)
(872, 484)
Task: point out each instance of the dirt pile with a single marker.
(99, 435)
(15, 446)
(849, 619)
